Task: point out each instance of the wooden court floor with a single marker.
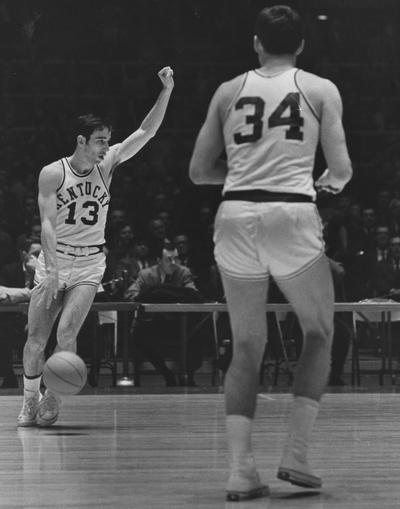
(168, 451)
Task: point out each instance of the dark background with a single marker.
(63, 58)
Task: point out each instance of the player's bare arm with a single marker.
(333, 142)
(49, 180)
(150, 125)
(206, 166)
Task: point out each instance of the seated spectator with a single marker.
(166, 218)
(167, 281)
(33, 233)
(17, 279)
(7, 247)
(116, 218)
(361, 243)
(394, 221)
(123, 270)
(382, 207)
(157, 237)
(379, 251)
(187, 257)
(384, 281)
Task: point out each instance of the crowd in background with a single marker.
(109, 66)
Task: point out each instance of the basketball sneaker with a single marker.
(245, 484)
(48, 409)
(296, 470)
(27, 416)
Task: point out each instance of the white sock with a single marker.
(239, 429)
(31, 386)
(303, 416)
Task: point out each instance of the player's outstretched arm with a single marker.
(206, 167)
(131, 145)
(49, 180)
(333, 142)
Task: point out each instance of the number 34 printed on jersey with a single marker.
(294, 120)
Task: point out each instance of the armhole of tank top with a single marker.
(236, 95)
(102, 178)
(303, 94)
(63, 176)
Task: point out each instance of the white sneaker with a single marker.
(48, 409)
(245, 484)
(297, 471)
(27, 416)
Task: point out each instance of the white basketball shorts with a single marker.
(255, 240)
(74, 270)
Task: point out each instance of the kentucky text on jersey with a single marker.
(82, 202)
(82, 189)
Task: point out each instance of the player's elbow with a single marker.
(150, 132)
(346, 171)
(195, 173)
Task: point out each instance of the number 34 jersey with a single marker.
(82, 203)
(271, 133)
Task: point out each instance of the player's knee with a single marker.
(319, 332)
(248, 352)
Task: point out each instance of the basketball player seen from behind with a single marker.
(73, 201)
(269, 121)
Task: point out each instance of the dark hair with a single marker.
(279, 29)
(86, 125)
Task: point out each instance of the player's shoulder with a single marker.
(314, 82)
(227, 91)
(53, 167)
(112, 158)
(318, 89)
(233, 84)
(52, 173)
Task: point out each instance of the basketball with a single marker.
(64, 373)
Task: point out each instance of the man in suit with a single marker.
(166, 281)
(385, 278)
(167, 270)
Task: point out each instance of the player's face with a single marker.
(98, 145)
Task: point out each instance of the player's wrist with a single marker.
(329, 180)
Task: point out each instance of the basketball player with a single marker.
(73, 201)
(269, 121)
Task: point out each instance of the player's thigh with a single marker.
(311, 294)
(77, 303)
(41, 319)
(246, 301)
(235, 233)
(289, 237)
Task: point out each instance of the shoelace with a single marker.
(29, 405)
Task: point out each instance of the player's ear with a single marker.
(81, 140)
(300, 48)
(256, 44)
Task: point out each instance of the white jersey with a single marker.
(271, 133)
(82, 202)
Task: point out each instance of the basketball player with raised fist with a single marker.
(73, 200)
(269, 121)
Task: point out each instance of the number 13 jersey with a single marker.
(82, 203)
(271, 133)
